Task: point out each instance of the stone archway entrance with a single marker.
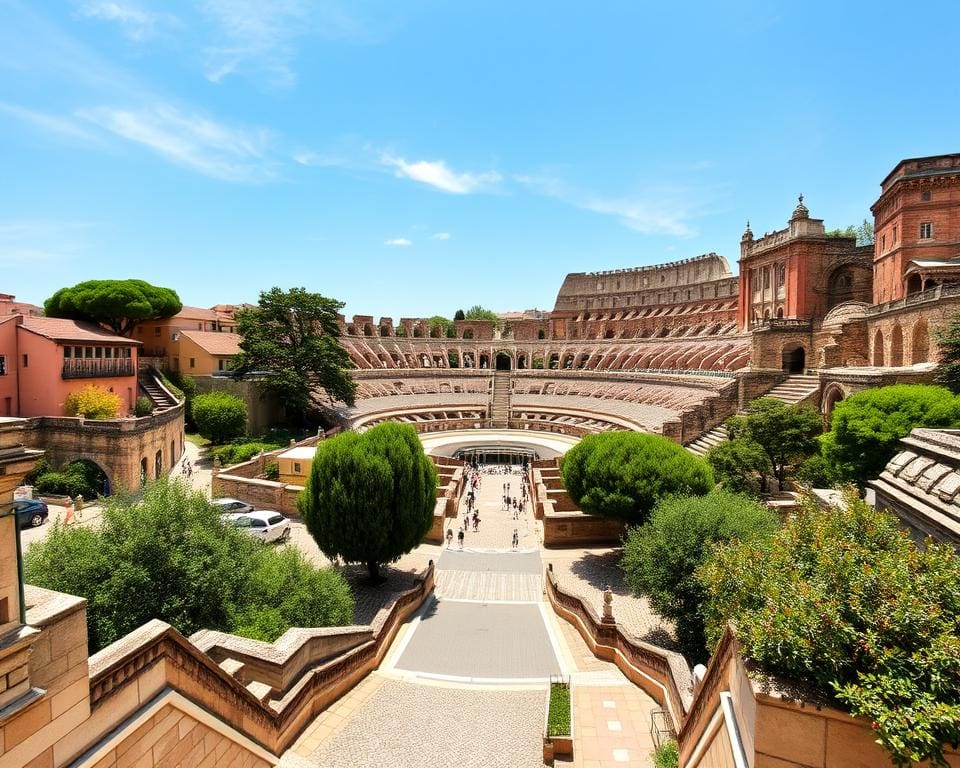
(504, 362)
(794, 359)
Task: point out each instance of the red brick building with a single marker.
(917, 225)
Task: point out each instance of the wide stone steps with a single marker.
(795, 389)
(489, 586)
(500, 403)
(708, 440)
(160, 399)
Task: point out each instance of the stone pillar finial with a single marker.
(608, 604)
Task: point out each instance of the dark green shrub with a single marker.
(168, 556)
(741, 465)
(661, 557)
(272, 471)
(370, 497)
(845, 601)
(786, 433)
(666, 755)
(623, 474)
(239, 452)
(867, 427)
(219, 416)
(143, 407)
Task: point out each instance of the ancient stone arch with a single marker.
(896, 346)
(832, 395)
(878, 348)
(920, 342)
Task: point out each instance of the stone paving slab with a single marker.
(480, 641)
(410, 725)
(487, 586)
(500, 562)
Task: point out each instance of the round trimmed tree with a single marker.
(370, 497)
(219, 416)
(624, 474)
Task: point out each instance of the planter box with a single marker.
(561, 745)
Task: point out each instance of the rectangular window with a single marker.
(98, 352)
(894, 235)
(108, 352)
(883, 243)
(26, 360)
(296, 468)
(926, 230)
(88, 353)
(193, 362)
(78, 352)
(66, 352)
(3, 365)
(156, 331)
(925, 196)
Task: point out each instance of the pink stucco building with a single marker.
(44, 359)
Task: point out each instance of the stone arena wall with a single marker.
(117, 446)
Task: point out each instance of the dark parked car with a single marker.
(31, 513)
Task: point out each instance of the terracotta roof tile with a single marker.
(60, 329)
(215, 343)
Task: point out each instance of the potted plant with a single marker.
(558, 720)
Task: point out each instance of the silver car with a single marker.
(263, 524)
(228, 505)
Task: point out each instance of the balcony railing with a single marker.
(783, 324)
(98, 368)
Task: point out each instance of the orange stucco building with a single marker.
(44, 359)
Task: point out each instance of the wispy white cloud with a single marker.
(257, 38)
(436, 173)
(398, 241)
(193, 141)
(321, 159)
(60, 125)
(657, 212)
(136, 22)
(441, 236)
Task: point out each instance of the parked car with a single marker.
(233, 505)
(31, 512)
(264, 524)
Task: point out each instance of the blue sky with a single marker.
(413, 157)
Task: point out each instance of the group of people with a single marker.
(513, 503)
(187, 469)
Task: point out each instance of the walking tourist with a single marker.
(449, 536)
(460, 537)
(516, 538)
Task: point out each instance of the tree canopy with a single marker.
(119, 305)
(168, 556)
(293, 338)
(476, 312)
(786, 433)
(741, 465)
(624, 474)
(948, 367)
(845, 601)
(661, 557)
(370, 497)
(219, 416)
(867, 427)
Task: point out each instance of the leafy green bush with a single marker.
(845, 601)
(219, 416)
(241, 451)
(168, 556)
(537, 364)
(786, 433)
(558, 714)
(816, 472)
(143, 407)
(667, 755)
(370, 497)
(272, 471)
(741, 465)
(93, 402)
(78, 478)
(661, 557)
(623, 474)
(867, 427)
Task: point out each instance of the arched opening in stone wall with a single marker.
(541, 334)
(794, 358)
(878, 348)
(468, 334)
(839, 287)
(554, 361)
(504, 363)
(158, 465)
(173, 453)
(567, 362)
(831, 397)
(920, 342)
(914, 284)
(608, 334)
(484, 360)
(94, 476)
(367, 330)
(779, 312)
(896, 345)
(521, 362)
(143, 471)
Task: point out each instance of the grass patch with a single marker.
(666, 755)
(558, 718)
(197, 440)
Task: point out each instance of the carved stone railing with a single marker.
(273, 724)
(661, 673)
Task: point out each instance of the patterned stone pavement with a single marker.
(412, 725)
(496, 523)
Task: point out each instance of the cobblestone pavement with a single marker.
(410, 725)
(587, 572)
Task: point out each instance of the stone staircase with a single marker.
(796, 389)
(500, 402)
(153, 389)
(707, 440)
